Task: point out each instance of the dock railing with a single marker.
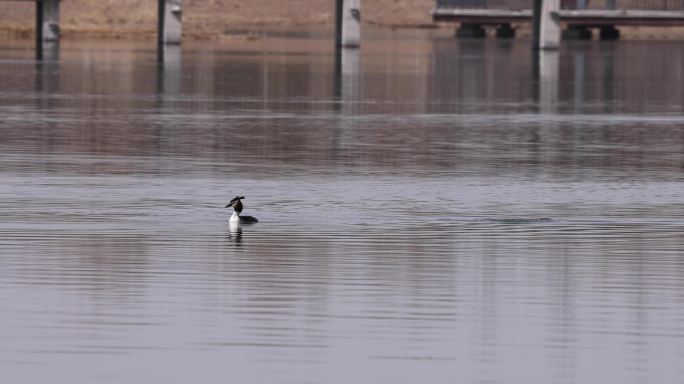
(510, 5)
(518, 5)
(642, 5)
(572, 12)
(578, 16)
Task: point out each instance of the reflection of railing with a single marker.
(515, 5)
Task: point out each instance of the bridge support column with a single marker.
(169, 26)
(547, 31)
(609, 32)
(47, 28)
(467, 30)
(47, 20)
(577, 32)
(348, 23)
(505, 31)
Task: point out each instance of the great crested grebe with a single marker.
(237, 206)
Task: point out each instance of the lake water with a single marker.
(431, 211)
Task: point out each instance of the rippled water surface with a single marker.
(431, 210)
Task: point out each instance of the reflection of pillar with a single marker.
(608, 77)
(546, 22)
(168, 84)
(548, 81)
(50, 51)
(580, 69)
(347, 91)
(337, 75)
(350, 80)
(169, 26)
(170, 70)
(47, 73)
(351, 23)
(47, 83)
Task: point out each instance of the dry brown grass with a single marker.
(209, 17)
(216, 18)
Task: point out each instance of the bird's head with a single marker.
(236, 203)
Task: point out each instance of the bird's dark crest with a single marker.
(235, 199)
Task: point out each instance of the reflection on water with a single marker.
(430, 210)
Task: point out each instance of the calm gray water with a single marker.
(431, 210)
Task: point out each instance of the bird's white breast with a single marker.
(235, 218)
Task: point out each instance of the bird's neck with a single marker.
(235, 216)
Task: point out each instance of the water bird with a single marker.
(236, 203)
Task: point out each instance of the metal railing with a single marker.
(516, 5)
(645, 5)
(513, 5)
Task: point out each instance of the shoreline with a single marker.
(212, 19)
(256, 30)
(207, 19)
(239, 30)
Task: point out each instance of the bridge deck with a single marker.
(576, 17)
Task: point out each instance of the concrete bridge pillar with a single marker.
(47, 20)
(348, 23)
(547, 31)
(169, 26)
